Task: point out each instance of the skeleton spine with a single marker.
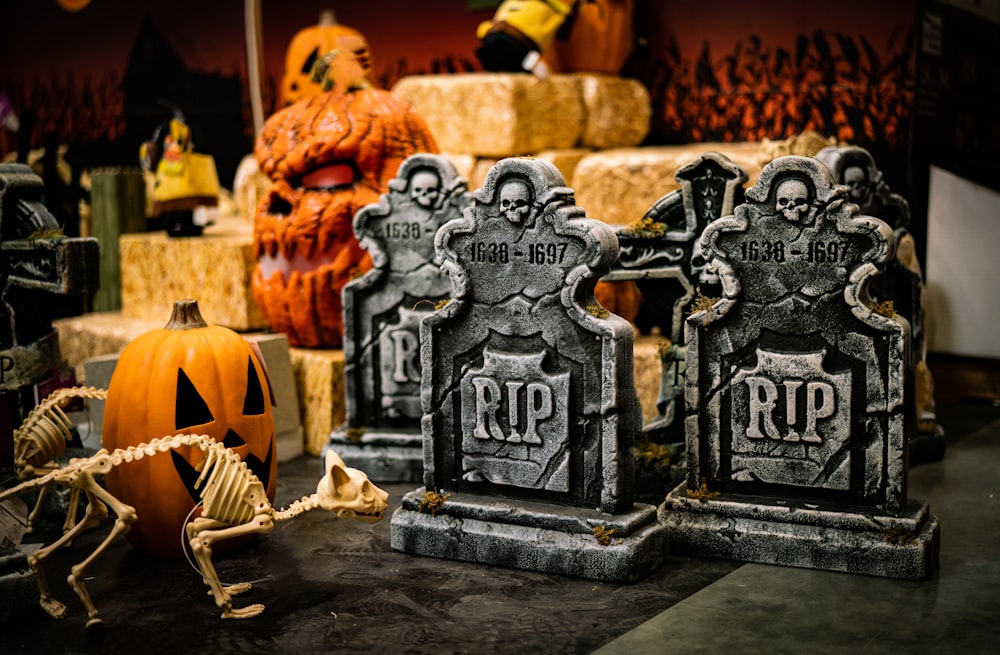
(301, 506)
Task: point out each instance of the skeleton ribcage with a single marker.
(225, 496)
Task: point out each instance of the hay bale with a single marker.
(618, 111)
(619, 185)
(497, 114)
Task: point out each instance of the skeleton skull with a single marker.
(793, 200)
(856, 178)
(515, 201)
(700, 270)
(425, 187)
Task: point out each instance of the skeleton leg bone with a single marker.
(96, 511)
(201, 524)
(37, 511)
(126, 516)
(71, 509)
(204, 532)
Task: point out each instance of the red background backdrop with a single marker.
(717, 69)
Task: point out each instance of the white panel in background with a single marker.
(963, 267)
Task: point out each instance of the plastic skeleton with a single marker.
(42, 438)
(234, 503)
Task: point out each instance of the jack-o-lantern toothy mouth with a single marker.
(329, 177)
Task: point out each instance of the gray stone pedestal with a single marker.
(901, 545)
(533, 536)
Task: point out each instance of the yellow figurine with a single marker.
(186, 187)
(520, 30)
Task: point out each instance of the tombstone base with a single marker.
(903, 545)
(18, 591)
(384, 456)
(532, 536)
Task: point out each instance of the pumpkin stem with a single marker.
(327, 17)
(186, 316)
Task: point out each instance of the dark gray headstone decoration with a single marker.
(39, 269)
(796, 421)
(527, 393)
(382, 313)
(902, 283)
(662, 253)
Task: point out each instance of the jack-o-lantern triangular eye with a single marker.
(191, 408)
(253, 404)
(310, 61)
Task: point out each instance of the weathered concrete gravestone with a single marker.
(527, 393)
(663, 255)
(902, 283)
(382, 312)
(39, 267)
(796, 422)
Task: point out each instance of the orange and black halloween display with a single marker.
(309, 46)
(598, 39)
(328, 156)
(186, 377)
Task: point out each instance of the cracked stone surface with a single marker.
(527, 389)
(382, 313)
(795, 385)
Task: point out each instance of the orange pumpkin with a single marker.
(599, 41)
(328, 156)
(308, 46)
(73, 5)
(622, 298)
(186, 377)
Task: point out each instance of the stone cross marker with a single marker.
(662, 252)
(382, 312)
(796, 422)
(902, 283)
(529, 407)
(663, 255)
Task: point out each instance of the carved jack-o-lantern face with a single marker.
(328, 156)
(309, 45)
(185, 378)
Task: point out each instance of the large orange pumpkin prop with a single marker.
(186, 377)
(308, 46)
(328, 156)
(599, 40)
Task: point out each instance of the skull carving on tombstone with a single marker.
(425, 188)
(701, 272)
(856, 178)
(793, 200)
(515, 201)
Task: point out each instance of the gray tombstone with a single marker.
(797, 428)
(382, 312)
(663, 255)
(529, 407)
(40, 269)
(902, 283)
